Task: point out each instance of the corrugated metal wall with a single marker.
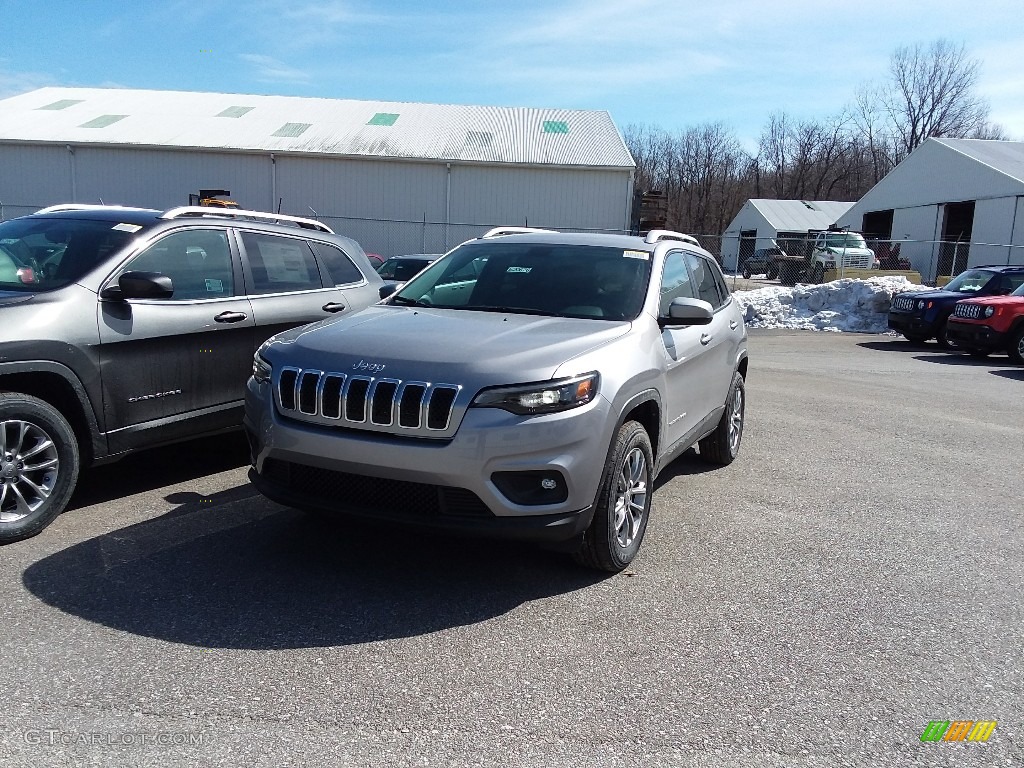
(388, 206)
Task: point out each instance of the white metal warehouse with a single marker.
(397, 177)
(953, 203)
(761, 222)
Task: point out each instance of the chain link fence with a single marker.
(936, 261)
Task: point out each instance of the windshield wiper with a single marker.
(406, 302)
(510, 310)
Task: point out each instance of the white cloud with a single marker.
(13, 82)
(269, 69)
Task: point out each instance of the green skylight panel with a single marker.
(555, 126)
(62, 104)
(383, 118)
(235, 111)
(291, 129)
(102, 121)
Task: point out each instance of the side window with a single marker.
(675, 282)
(703, 276)
(280, 264)
(723, 289)
(339, 266)
(198, 261)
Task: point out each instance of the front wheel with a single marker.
(1016, 348)
(746, 273)
(624, 504)
(38, 465)
(723, 445)
(818, 274)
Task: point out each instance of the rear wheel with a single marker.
(818, 274)
(39, 465)
(1016, 348)
(624, 504)
(723, 445)
(773, 271)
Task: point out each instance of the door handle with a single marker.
(333, 306)
(230, 317)
(733, 325)
(705, 339)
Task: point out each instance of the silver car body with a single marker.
(400, 358)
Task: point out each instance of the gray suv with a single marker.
(530, 385)
(125, 328)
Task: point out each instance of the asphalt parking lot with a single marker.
(855, 574)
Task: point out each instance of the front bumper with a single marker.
(912, 324)
(436, 483)
(976, 335)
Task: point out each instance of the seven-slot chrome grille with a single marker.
(972, 311)
(380, 404)
(903, 302)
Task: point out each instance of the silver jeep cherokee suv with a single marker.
(528, 384)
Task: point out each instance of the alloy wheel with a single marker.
(29, 467)
(631, 497)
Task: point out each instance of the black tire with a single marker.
(817, 274)
(915, 339)
(614, 536)
(746, 273)
(1015, 349)
(39, 464)
(979, 354)
(941, 337)
(723, 445)
(773, 272)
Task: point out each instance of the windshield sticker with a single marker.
(520, 270)
(133, 228)
(636, 255)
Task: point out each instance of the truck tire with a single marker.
(624, 503)
(773, 271)
(746, 272)
(723, 445)
(1015, 349)
(818, 274)
(39, 464)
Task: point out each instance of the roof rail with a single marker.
(657, 235)
(186, 211)
(86, 207)
(499, 231)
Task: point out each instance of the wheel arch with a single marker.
(60, 387)
(644, 408)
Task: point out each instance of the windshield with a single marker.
(43, 254)
(845, 240)
(970, 281)
(530, 278)
(1019, 291)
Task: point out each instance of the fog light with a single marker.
(532, 488)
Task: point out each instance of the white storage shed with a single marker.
(951, 204)
(397, 177)
(761, 222)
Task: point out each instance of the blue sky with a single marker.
(671, 64)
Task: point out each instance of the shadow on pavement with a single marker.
(898, 345)
(1013, 373)
(958, 359)
(223, 572)
(147, 470)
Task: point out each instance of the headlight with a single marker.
(989, 311)
(920, 303)
(546, 397)
(261, 369)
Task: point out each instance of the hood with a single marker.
(937, 294)
(8, 298)
(442, 345)
(996, 300)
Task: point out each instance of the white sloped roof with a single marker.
(1006, 157)
(800, 215)
(520, 135)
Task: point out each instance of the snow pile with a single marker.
(842, 305)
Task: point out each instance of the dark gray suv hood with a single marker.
(438, 345)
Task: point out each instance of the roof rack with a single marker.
(186, 211)
(657, 235)
(86, 207)
(499, 231)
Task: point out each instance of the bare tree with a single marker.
(932, 93)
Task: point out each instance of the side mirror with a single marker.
(688, 312)
(139, 285)
(387, 289)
